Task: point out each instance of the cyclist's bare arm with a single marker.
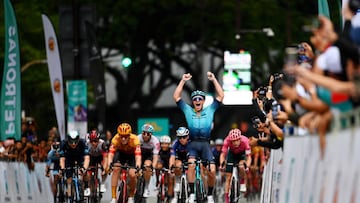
(62, 162)
(138, 156)
(179, 88)
(171, 161)
(218, 88)
(248, 160)
(155, 160)
(86, 161)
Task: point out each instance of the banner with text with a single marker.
(10, 103)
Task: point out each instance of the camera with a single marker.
(278, 76)
(262, 92)
(275, 107)
(256, 122)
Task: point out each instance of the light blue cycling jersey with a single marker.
(199, 125)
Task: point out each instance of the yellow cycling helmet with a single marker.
(124, 129)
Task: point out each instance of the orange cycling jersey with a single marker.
(132, 147)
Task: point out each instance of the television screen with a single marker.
(237, 78)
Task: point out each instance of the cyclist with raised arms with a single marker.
(124, 148)
(236, 149)
(150, 147)
(73, 151)
(179, 154)
(98, 156)
(200, 123)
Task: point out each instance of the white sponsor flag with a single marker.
(56, 79)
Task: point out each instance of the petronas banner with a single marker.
(10, 103)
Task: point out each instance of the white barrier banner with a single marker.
(305, 177)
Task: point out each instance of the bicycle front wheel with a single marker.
(183, 192)
(140, 187)
(122, 198)
(234, 190)
(199, 191)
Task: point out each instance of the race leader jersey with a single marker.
(244, 147)
(199, 125)
(132, 147)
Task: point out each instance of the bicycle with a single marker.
(234, 193)
(76, 190)
(122, 194)
(60, 184)
(140, 187)
(162, 189)
(94, 185)
(183, 194)
(200, 192)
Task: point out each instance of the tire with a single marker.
(182, 196)
(199, 191)
(81, 193)
(60, 191)
(122, 193)
(235, 191)
(160, 198)
(140, 186)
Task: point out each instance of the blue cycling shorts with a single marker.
(202, 149)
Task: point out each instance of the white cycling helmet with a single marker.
(182, 132)
(165, 139)
(219, 141)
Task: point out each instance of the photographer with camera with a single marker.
(268, 122)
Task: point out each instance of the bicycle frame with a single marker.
(184, 192)
(122, 194)
(199, 184)
(94, 184)
(76, 185)
(234, 192)
(162, 195)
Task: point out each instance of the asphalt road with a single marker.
(153, 193)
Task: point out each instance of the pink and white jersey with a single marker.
(244, 146)
(153, 146)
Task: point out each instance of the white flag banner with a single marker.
(56, 79)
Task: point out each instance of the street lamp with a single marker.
(267, 31)
(31, 63)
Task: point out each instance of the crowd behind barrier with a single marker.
(298, 173)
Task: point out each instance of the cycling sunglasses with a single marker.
(198, 98)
